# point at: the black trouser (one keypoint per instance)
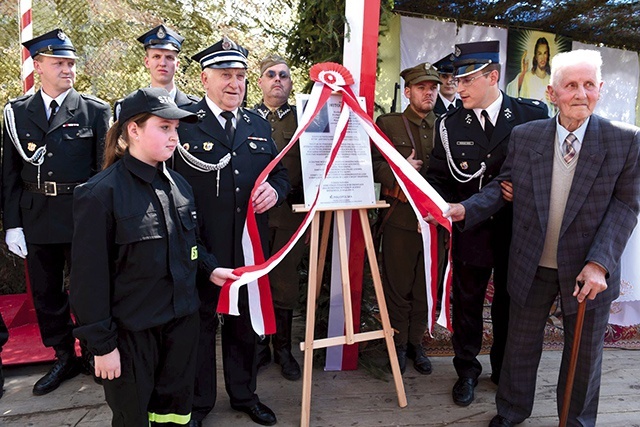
(158, 370)
(238, 354)
(469, 288)
(46, 274)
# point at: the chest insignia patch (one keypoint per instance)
(507, 113)
(468, 119)
(464, 165)
(31, 146)
(207, 146)
(253, 145)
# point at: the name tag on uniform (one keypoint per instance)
(465, 143)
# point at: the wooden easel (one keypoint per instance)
(316, 266)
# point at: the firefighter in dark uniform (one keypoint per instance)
(470, 147)
(135, 254)
(404, 283)
(52, 141)
(276, 84)
(221, 156)
(447, 99)
(162, 46)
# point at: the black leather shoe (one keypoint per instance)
(63, 369)
(194, 423)
(463, 391)
(259, 413)
(421, 362)
(500, 421)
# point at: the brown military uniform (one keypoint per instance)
(282, 221)
(402, 251)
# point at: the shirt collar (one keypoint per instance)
(279, 112)
(562, 133)
(139, 168)
(217, 111)
(445, 101)
(493, 110)
(59, 99)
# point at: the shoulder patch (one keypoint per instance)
(20, 98)
(93, 98)
(531, 102)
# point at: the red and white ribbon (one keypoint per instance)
(423, 198)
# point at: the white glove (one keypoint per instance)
(15, 241)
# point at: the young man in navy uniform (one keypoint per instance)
(470, 147)
(221, 156)
(52, 142)
(447, 99)
(276, 84)
(162, 46)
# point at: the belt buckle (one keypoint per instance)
(50, 188)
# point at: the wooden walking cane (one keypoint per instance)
(577, 336)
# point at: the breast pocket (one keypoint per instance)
(30, 139)
(189, 221)
(402, 145)
(261, 153)
(138, 228)
(462, 151)
(78, 141)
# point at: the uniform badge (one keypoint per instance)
(427, 66)
(201, 114)
(246, 118)
(464, 166)
(468, 119)
(186, 146)
(507, 113)
(31, 146)
(253, 145)
(535, 102)
(161, 33)
(194, 253)
(457, 52)
(207, 146)
(227, 43)
(62, 36)
(282, 113)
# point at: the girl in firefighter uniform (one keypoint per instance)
(135, 257)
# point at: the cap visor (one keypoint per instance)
(68, 54)
(166, 46)
(466, 70)
(174, 113)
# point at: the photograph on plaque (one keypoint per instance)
(350, 179)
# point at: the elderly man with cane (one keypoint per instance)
(576, 198)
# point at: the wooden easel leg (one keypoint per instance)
(324, 243)
(310, 323)
(344, 273)
(382, 305)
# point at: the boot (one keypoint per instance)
(263, 352)
(421, 362)
(401, 353)
(65, 367)
(282, 345)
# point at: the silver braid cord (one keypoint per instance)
(10, 121)
(455, 172)
(200, 165)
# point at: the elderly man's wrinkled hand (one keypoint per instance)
(456, 212)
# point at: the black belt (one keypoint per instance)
(50, 188)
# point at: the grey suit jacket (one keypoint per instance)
(601, 212)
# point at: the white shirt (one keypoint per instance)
(562, 133)
(493, 111)
(47, 101)
(217, 111)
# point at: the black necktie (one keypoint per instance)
(228, 126)
(53, 106)
(488, 126)
(451, 106)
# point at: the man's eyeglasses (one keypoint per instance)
(467, 81)
(272, 74)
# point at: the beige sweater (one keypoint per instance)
(561, 179)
